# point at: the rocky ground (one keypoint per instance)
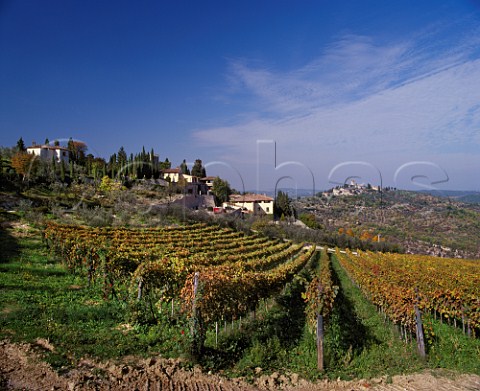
(21, 368)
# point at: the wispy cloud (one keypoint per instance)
(363, 98)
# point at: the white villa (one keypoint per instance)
(172, 175)
(47, 152)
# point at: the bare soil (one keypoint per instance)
(22, 368)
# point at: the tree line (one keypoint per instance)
(16, 163)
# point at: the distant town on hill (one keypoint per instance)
(467, 196)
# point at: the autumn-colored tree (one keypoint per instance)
(24, 163)
(366, 235)
(109, 185)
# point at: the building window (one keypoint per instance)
(268, 209)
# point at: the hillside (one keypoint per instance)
(420, 222)
(460, 196)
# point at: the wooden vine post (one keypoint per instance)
(320, 342)
(139, 289)
(419, 328)
(320, 334)
(105, 275)
(197, 327)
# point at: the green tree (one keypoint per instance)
(53, 169)
(122, 160)
(309, 220)
(112, 165)
(98, 167)
(221, 190)
(21, 145)
(88, 163)
(198, 170)
(283, 205)
(62, 171)
(155, 164)
(166, 164)
(184, 168)
(131, 166)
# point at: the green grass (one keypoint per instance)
(40, 299)
(376, 345)
(450, 348)
(359, 342)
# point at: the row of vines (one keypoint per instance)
(319, 298)
(321, 292)
(448, 289)
(216, 273)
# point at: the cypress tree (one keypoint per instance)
(21, 145)
(62, 171)
(53, 167)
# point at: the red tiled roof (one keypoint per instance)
(172, 171)
(249, 198)
(48, 147)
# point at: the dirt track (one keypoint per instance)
(22, 369)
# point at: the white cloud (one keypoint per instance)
(361, 100)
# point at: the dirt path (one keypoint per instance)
(22, 369)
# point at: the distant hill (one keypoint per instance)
(468, 196)
(292, 193)
(433, 223)
(472, 197)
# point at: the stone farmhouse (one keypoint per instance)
(257, 204)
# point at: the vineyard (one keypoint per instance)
(447, 289)
(216, 274)
(238, 302)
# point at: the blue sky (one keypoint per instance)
(363, 89)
